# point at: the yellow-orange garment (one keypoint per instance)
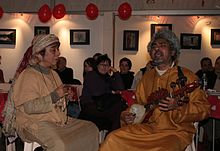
(44, 122)
(165, 131)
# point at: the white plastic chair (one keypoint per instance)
(30, 146)
(194, 145)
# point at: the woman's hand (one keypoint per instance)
(127, 117)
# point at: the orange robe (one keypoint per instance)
(40, 120)
(170, 131)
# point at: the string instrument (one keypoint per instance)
(143, 112)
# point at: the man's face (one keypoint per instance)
(160, 52)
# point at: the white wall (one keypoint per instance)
(180, 24)
(75, 55)
(101, 35)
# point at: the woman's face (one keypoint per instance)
(51, 56)
(87, 67)
(124, 67)
(103, 67)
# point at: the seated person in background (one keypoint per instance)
(126, 75)
(99, 104)
(2, 80)
(40, 103)
(88, 65)
(217, 72)
(170, 127)
(65, 73)
(208, 124)
(208, 69)
(140, 73)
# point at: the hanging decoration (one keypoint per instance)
(1, 12)
(44, 13)
(59, 11)
(92, 11)
(124, 11)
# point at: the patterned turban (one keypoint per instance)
(41, 41)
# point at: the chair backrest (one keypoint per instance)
(193, 146)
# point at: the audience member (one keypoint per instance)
(126, 75)
(217, 72)
(208, 69)
(2, 80)
(208, 124)
(65, 73)
(88, 65)
(140, 73)
(40, 102)
(98, 102)
(170, 126)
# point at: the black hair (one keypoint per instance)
(91, 62)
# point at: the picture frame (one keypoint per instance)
(190, 41)
(41, 30)
(130, 40)
(79, 37)
(157, 27)
(215, 36)
(8, 36)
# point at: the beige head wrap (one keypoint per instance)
(42, 41)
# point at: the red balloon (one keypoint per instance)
(1, 12)
(59, 11)
(124, 11)
(44, 13)
(92, 11)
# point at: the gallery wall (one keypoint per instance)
(102, 30)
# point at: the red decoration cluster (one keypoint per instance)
(124, 11)
(1, 12)
(92, 11)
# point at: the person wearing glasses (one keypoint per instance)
(99, 103)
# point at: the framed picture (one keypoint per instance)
(215, 36)
(79, 37)
(130, 40)
(41, 30)
(190, 41)
(156, 27)
(8, 36)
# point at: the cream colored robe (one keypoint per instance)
(165, 131)
(37, 119)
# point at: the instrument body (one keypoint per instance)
(143, 112)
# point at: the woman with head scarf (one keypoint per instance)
(40, 102)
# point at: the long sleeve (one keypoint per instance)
(116, 81)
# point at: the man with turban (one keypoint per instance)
(40, 102)
(171, 125)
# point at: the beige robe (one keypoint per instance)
(165, 131)
(38, 119)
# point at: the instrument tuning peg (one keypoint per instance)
(173, 85)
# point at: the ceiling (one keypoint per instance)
(78, 6)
